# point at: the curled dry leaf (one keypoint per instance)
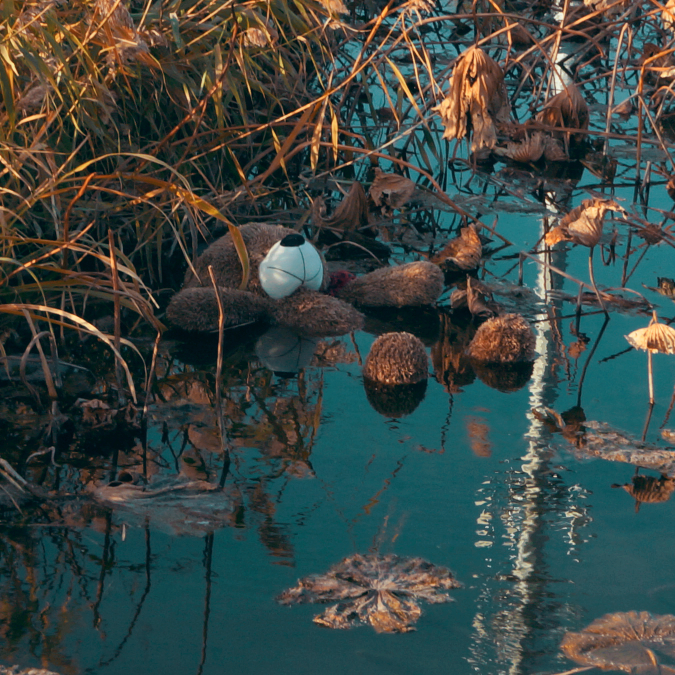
(566, 109)
(477, 94)
(350, 214)
(476, 297)
(583, 225)
(463, 252)
(656, 338)
(635, 642)
(391, 191)
(381, 590)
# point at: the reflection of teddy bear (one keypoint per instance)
(306, 311)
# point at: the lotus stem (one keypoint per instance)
(592, 276)
(651, 380)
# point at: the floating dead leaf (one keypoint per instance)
(391, 191)
(350, 214)
(625, 108)
(635, 642)
(649, 490)
(382, 590)
(567, 109)
(463, 252)
(476, 297)
(477, 96)
(583, 225)
(604, 442)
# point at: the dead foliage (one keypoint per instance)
(649, 490)
(350, 214)
(391, 191)
(628, 641)
(380, 590)
(567, 109)
(476, 297)
(583, 225)
(477, 100)
(462, 253)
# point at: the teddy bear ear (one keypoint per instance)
(289, 264)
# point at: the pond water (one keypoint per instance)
(539, 534)
(470, 480)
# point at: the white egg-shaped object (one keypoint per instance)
(289, 264)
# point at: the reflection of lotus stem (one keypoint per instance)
(651, 381)
(595, 288)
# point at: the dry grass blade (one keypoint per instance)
(477, 97)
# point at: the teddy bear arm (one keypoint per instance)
(196, 309)
(409, 285)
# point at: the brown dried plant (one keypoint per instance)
(463, 252)
(583, 224)
(634, 642)
(477, 97)
(350, 214)
(381, 590)
(567, 109)
(655, 338)
(390, 191)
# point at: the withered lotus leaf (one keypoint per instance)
(582, 225)
(477, 93)
(464, 251)
(635, 642)
(657, 337)
(350, 214)
(566, 109)
(391, 191)
(381, 590)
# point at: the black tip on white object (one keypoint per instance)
(293, 240)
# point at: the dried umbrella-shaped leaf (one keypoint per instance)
(464, 251)
(635, 642)
(390, 191)
(657, 337)
(583, 225)
(530, 149)
(477, 93)
(381, 590)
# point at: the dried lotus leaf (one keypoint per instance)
(566, 109)
(657, 337)
(391, 190)
(583, 224)
(554, 151)
(382, 590)
(464, 251)
(350, 214)
(477, 93)
(628, 641)
(529, 150)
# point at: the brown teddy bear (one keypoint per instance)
(310, 312)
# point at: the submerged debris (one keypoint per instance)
(381, 590)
